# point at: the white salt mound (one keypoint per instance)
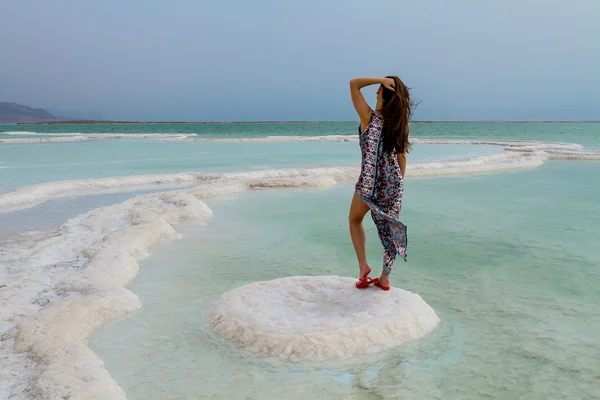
(319, 318)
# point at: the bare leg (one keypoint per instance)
(358, 210)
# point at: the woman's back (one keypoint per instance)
(381, 177)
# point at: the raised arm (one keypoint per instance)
(360, 105)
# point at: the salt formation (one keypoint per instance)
(515, 155)
(319, 318)
(63, 283)
(78, 137)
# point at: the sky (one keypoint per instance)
(276, 60)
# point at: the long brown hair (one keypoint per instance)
(396, 111)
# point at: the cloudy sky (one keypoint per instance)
(232, 60)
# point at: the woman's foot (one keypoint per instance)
(383, 282)
(364, 280)
(364, 271)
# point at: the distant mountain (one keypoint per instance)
(12, 113)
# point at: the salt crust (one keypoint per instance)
(516, 155)
(319, 318)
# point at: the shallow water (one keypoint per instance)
(508, 261)
(31, 163)
(585, 133)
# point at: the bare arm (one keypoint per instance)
(360, 105)
(402, 163)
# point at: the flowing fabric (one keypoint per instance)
(380, 186)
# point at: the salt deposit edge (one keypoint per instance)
(55, 336)
(516, 155)
(302, 318)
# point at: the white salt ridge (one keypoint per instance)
(516, 155)
(176, 137)
(319, 318)
(26, 133)
(193, 137)
(63, 283)
(43, 140)
(76, 137)
(325, 138)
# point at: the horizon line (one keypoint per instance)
(101, 122)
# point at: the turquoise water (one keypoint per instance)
(31, 163)
(585, 133)
(509, 262)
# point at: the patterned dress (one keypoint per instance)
(380, 185)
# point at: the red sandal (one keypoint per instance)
(379, 285)
(366, 281)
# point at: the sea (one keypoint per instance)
(117, 240)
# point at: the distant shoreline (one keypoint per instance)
(97, 122)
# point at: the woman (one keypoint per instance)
(384, 143)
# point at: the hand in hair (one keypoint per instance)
(388, 83)
(395, 106)
(360, 105)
